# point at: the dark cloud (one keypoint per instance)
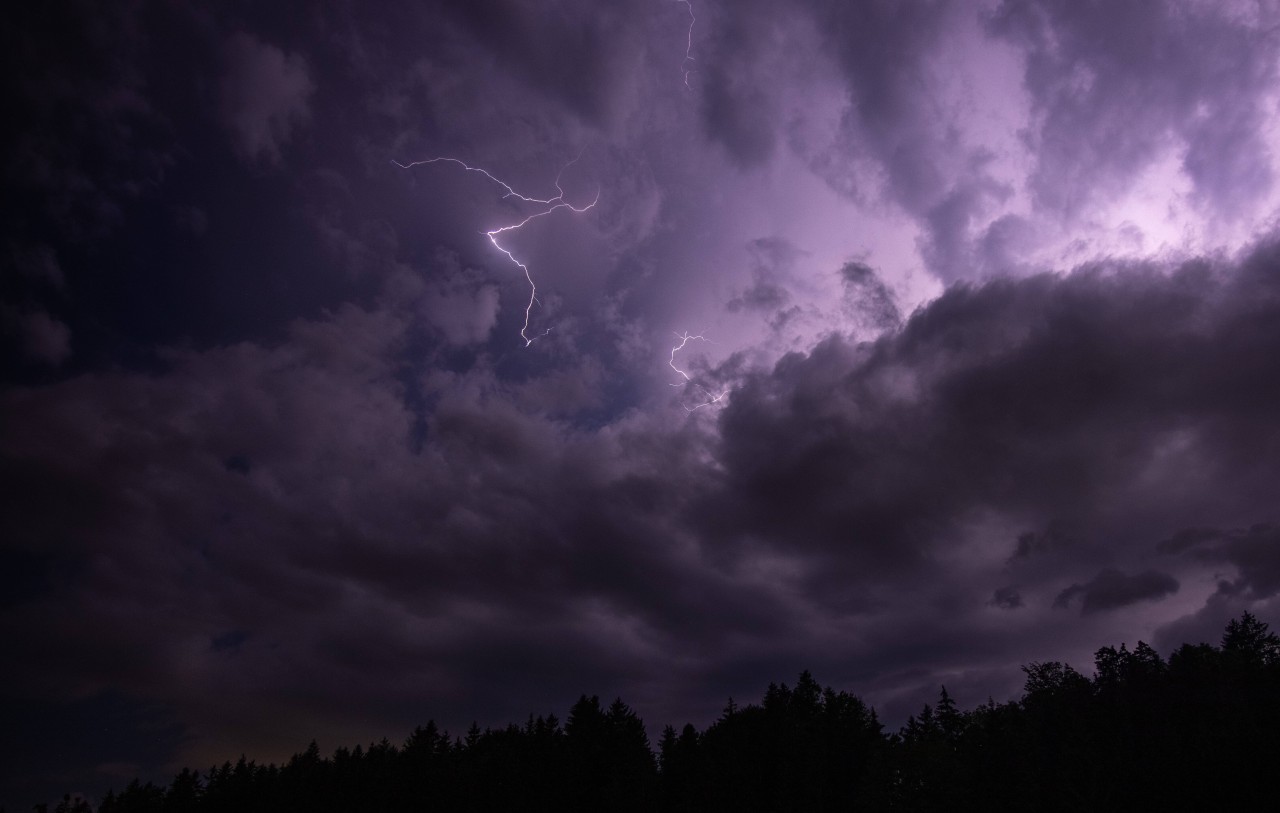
(572, 57)
(277, 464)
(887, 98)
(772, 261)
(513, 554)
(948, 246)
(737, 80)
(1056, 535)
(1035, 396)
(1007, 598)
(737, 116)
(1007, 239)
(761, 296)
(1254, 552)
(1111, 590)
(868, 302)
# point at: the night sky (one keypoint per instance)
(988, 298)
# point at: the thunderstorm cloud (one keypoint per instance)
(990, 304)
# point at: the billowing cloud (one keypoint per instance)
(1113, 90)
(1031, 398)
(977, 320)
(830, 492)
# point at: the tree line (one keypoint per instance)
(1198, 731)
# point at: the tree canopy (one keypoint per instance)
(1197, 731)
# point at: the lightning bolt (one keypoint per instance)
(688, 47)
(551, 204)
(712, 398)
(686, 68)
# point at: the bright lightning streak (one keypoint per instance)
(552, 204)
(712, 398)
(688, 47)
(684, 338)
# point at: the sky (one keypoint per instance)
(903, 342)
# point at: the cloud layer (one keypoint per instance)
(197, 548)
(991, 292)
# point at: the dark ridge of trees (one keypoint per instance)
(1200, 731)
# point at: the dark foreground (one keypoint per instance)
(1200, 731)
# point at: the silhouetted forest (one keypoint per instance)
(1200, 731)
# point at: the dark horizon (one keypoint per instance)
(362, 366)
(1129, 735)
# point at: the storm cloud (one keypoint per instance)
(988, 308)
(1111, 589)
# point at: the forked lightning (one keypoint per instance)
(551, 204)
